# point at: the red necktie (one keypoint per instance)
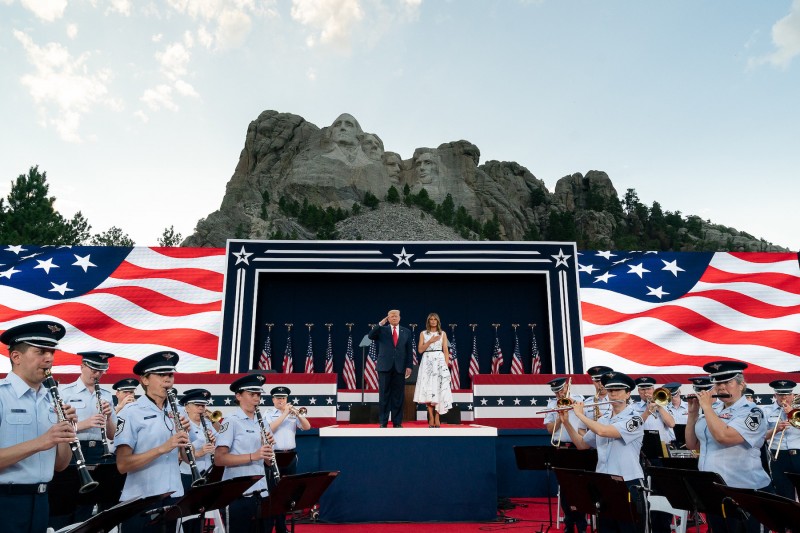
(394, 334)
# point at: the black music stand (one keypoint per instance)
(111, 518)
(285, 459)
(691, 490)
(214, 474)
(795, 479)
(599, 494)
(202, 498)
(64, 495)
(774, 512)
(538, 458)
(295, 492)
(680, 463)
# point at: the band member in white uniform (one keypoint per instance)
(202, 438)
(618, 439)
(784, 436)
(677, 407)
(33, 443)
(148, 443)
(600, 394)
(560, 437)
(284, 421)
(125, 392)
(241, 450)
(729, 440)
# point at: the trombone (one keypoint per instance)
(568, 408)
(793, 417)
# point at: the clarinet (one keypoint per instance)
(210, 440)
(103, 435)
(197, 478)
(272, 472)
(87, 483)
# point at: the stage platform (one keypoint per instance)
(413, 473)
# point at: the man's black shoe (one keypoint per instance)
(383, 425)
(398, 425)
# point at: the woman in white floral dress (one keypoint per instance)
(433, 378)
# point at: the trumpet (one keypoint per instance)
(559, 409)
(662, 397)
(294, 412)
(87, 483)
(214, 416)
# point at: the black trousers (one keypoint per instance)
(243, 516)
(25, 513)
(391, 391)
(140, 523)
(787, 461)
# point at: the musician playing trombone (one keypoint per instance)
(618, 438)
(33, 443)
(729, 440)
(783, 436)
(150, 441)
(560, 438)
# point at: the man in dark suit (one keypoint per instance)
(395, 358)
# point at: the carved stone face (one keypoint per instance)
(344, 130)
(426, 167)
(372, 147)
(392, 164)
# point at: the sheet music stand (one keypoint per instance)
(63, 493)
(691, 490)
(680, 463)
(538, 458)
(284, 459)
(111, 518)
(774, 512)
(202, 498)
(299, 491)
(599, 494)
(795, 479)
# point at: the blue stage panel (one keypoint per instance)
(397, 475)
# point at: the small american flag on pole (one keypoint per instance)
(371, 368)
(536, 358)
(329, 353)
(516, 360)
(497, 355)
(265, 361)
(455, 373)
(474, 367)
(349, 370)
(309, 367)
(415, 359)
(288, 366)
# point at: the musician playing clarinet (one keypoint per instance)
(33, 443)
(96, 427)
(148, 442)
(242, 451)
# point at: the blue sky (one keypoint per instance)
(138, 110)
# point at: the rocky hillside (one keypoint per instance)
(296, 180)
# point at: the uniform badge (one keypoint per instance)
(120, 425)
(224, 427)
(753, 420)
(634, 423)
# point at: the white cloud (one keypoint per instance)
(157, 37)
(232, 29)
(62, 87)
(159, 97)
(786, 38)
(72, 30)
(123, 7)
(185, 89)
(48, 10)
(174, 60)
(333, 21)
(311, 74)
(230, 20)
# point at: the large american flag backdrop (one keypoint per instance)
(642, 312)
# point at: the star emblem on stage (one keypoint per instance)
(561, 258)
(516, 401)
(242, 256)
(484, 401)
(403, 257)
(312, 401)
(329, 400)
(227, 401)
(533, 401)
(500, 401)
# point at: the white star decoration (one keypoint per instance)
(500, 401)
(533, 401)
(83, 262)
(16, 249)
(469, 407)
(516, 401)
(403, 257)
(484, 401)
(658, 292)
(227, 401)
(242, 256)
(561, 258)
(605, 277)
(10, 272)
(312, 401)
(329, 400)
(607, 255)
(61, 289)
(639, 270)
(587, 268)
(673, 267)
(45, 265)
